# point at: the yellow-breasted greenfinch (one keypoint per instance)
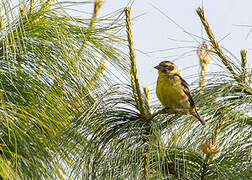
(173, 91)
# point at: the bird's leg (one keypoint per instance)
(173, 110)
(156, 113)
(165, 110)
(169, 111)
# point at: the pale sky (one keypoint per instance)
(154, 32)
(160, 39)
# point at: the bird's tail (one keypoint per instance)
(196, 114)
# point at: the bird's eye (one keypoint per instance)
(170, 68)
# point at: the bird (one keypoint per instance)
(173, 91)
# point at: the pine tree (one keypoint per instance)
(51, 71)
(64, 115)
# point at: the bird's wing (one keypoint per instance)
(186, 90)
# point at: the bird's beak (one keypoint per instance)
(157, 67)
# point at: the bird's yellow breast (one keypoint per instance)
(170, 92)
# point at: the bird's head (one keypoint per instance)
(167, 67)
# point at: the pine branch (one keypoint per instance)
(133, 68)
(243, 64)
(46, 6)
(243, 53)
(41, 60)
(97, 74)
(218, 49)
(208, 149)
(215, 44)
(205, 167)
(97, 7)
(147, 95)
(218, 128)
(31, 6)
(1, 21)
(146, 166)
(136, 89)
